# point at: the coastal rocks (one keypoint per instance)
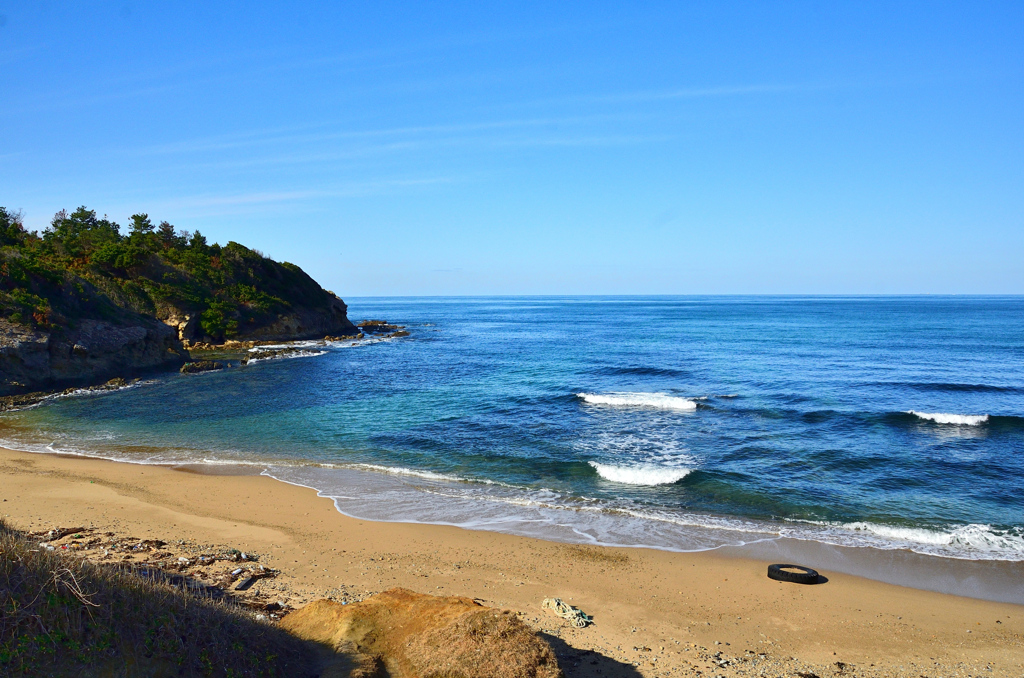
(377, 327)
(22, 400)
(199, 346)
(201, 366)
(90, 351)
(383, 328)
(330, 337)
(405, 634)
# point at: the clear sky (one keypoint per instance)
(539, 148)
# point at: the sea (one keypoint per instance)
(893, 424)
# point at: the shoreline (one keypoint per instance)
(993, 580)
(643, 599)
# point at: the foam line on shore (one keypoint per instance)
(958, 542)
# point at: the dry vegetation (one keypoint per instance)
(63, 616)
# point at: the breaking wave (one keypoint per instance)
(659, 401)
(641, 475)
(955, 419)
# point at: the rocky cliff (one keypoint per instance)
(302, 322)
(91, 353)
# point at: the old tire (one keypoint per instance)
(796, 574)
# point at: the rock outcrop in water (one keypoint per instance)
(403, 634)
(201, 366)
(81, 303)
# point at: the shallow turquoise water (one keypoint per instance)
(674, 422)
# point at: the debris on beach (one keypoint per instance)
(573, 615)
(221, 573)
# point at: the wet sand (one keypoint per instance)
(656, 613)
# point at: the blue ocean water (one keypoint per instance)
(672, 422)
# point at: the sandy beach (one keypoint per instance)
(656, 613)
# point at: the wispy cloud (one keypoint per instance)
(294, 135)
(326, 131)
(317, 150)
(353, 189)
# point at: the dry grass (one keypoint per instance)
(63, 616)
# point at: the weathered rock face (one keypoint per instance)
(301, 323)
(304, 323)
(91, 352)
(403, 634)
(186, 324)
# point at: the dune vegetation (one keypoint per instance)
(61, 615)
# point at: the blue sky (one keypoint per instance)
(544, 148)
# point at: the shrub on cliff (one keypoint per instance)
(84, 266)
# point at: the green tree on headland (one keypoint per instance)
(83, 266)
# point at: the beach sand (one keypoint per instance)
(656, 613)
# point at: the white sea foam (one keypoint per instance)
(660, 401)
(973, 538)
(284, 356)
(308, 343)
(641, 475)
(402, 471)
(956, 419)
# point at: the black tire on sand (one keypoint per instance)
(796, 574)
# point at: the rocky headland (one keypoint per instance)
(81, 303)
